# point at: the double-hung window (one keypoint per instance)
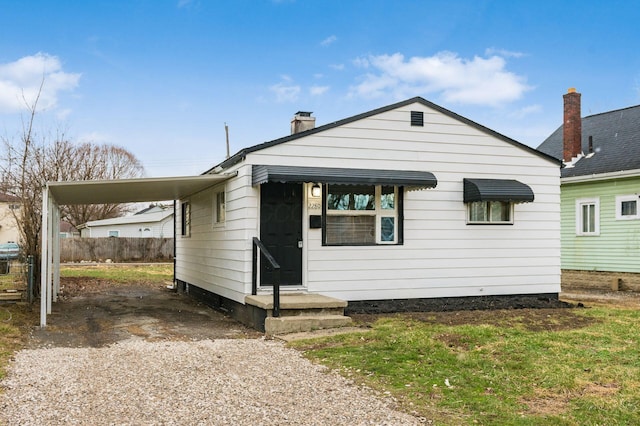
(588, 216)
(361, 215)
(627, 207)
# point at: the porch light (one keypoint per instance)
(316, 191)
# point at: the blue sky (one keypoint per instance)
(162, 77)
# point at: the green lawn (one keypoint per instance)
(500, 372)
(128, 273)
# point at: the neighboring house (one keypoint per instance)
(156, 221)
(600, 187)
(9, 210)
(409, 201)
(67, 230)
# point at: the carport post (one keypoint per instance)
(44, 295)
(55, 247)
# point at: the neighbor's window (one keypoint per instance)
(114, 233)
(220, 207)
(490, 212)
(361, 215)
(627, 207)
(588, 216)
(185, 210)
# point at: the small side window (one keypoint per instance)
(185, 210)
(115, 234)
(220, 207)
(627, 207)
(490, 213)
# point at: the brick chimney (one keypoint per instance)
(302, 121)
(572, 126)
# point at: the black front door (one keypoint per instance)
(281, 231)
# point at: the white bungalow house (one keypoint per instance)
(156, 221)
(409, 201)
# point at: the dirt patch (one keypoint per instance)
(98, 313)
(530, 319)
(541, 314)
(593, 297)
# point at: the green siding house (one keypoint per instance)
(600, 187)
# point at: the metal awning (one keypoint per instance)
(130, 190)
(409, 179)
(497, 190)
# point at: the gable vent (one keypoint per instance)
(417, 118)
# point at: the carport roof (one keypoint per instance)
(131, 190)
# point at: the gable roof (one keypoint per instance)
(127, 220)
(241, 155)
(616, 143)
(8, 198)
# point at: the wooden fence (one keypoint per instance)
(116, 249)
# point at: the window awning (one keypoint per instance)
(409, 179)
(497, 190)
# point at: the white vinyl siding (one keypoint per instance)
(218, 258)
(441, 256)
(147, 225)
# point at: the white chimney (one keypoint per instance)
(302, 121)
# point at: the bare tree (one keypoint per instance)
(32, 160)
(92, 162)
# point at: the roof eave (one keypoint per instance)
(601, 176)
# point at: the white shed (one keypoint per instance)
(408, 201)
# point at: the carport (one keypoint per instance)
(56, 194)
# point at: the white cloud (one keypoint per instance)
(337, 67)
(526, 111)
(63, 114)
(94, 137)
(285, 92)
(492, 51)
(20, 82)
(479, 81)
(318, 90)
(329, 40)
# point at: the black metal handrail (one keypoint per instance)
(257, 245)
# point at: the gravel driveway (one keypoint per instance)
(220, 382)
(149, 378)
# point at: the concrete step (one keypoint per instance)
(296, 301)
(299, 323)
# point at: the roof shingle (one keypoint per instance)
(616, 143)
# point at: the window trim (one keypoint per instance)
(622, 198)
(116, 232)
(185, 219)
(378, 213)
(490, 222)
(579, 220)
